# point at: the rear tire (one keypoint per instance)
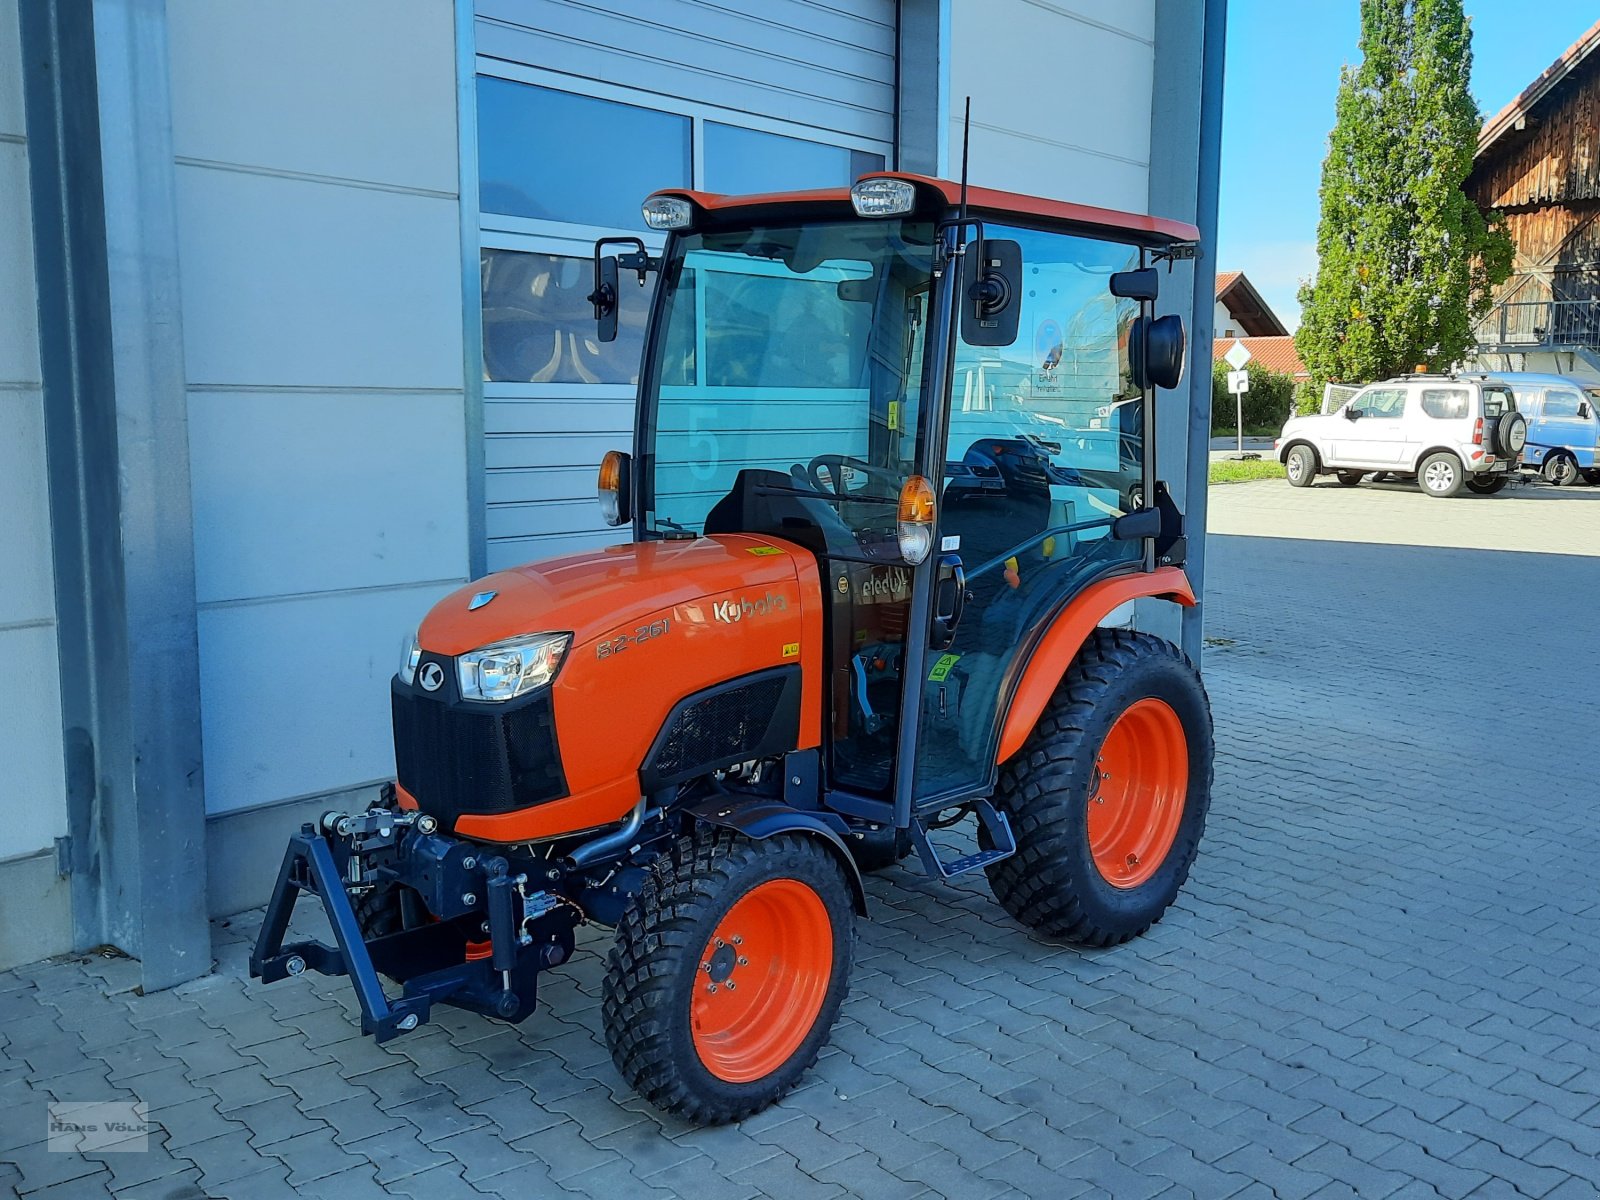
(719, 912)
(1349, 478)
(1119, 765)
(1300, 465)
(1442, 475)
(1486, 485)
(1560, 470)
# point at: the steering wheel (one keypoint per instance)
(835, 482)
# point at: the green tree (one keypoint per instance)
(1406, 263)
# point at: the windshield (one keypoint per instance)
(794, 351)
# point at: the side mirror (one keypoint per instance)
(1156, 350)
(604, 297)
(991, 292)
(1583, 410)
(1351, 413)
(1144, 284)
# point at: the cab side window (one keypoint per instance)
(1446, 404)
(1382, 403)
(1562, 404)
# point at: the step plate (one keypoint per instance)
(992, 819)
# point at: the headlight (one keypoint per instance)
(882, 197)
(511, 668)
(410, 656)
(668, 212)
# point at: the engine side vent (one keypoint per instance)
(756, 716)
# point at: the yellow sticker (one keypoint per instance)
(894, 415)
(763, 550)
(941, 669)
(791, 650)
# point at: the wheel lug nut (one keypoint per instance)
(730, 985)
(719, 943)
(711, 987)
(737, 940)
(743, 961)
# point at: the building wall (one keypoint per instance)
(1060, 97)
(33, 795)
(317, 181)
(1223, 322)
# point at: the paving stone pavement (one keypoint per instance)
(1378, 983)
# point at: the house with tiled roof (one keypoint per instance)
(1538, 167)
(1242, 315)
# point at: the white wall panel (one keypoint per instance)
(27, 585)
(33, 790)
(361, 89)
(19, 315)
(305, 492)
(304, 283)
(11, 119)
(295, 693)
(1066, 112)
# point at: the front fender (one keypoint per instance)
(1065, 637)
(763, 818)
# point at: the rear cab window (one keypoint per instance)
(1498, 401)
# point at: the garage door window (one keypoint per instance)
(749, 161)
(539, 327)
(555, 156)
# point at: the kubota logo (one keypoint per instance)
(736, 610)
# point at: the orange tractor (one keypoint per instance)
(892, 477)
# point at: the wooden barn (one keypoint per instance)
(1538, 163)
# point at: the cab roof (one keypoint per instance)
(939, 194)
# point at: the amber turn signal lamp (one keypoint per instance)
(915, 519)
(615, 486)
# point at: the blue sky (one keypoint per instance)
(1282, 74)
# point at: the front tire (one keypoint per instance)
(1108, 795)
(1442, 475)
(1300, 465)
(719, 913)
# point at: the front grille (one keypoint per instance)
(458, 760)
(732, 723)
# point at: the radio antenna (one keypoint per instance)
(966, 142)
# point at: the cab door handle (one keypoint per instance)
(949, 599)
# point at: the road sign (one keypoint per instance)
(1237, 355)
(1238, 381)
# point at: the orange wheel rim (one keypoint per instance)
(761, 981)
(1136, 799)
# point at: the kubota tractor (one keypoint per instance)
(892, 481)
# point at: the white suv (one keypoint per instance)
(1450, 432)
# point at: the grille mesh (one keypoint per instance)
(457, 761)
(720, 727)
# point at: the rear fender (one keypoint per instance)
(760, 819)
(1066, 636)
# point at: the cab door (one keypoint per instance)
(1045, 449)
(1375, 438)
(1566, 422)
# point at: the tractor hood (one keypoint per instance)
(600, 591)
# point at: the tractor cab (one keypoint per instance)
(947, 400)
(892, 476)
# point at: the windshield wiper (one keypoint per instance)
(675, 532)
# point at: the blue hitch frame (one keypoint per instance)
(527, 932)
